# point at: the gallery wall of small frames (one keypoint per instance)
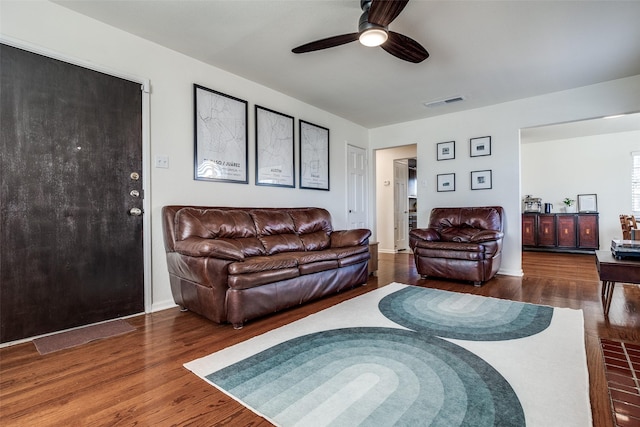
(480, 179)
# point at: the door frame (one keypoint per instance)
(146, 146)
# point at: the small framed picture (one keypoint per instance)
(447, 182)
(587, 203)
(480, 146)
(446, 150)
(481, 180)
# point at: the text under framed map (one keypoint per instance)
(221, 144)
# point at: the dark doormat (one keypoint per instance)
(622, 367)
(76, 337)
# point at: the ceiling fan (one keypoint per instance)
(372, 31)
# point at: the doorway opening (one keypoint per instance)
(396, 197)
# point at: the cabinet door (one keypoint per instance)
(528, 230)
(567, 231)
(588, 232)
(546, 230)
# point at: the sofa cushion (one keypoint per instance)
(233, 226)
(246, 281)
(316, 241)
(276, 231)
(263, 263)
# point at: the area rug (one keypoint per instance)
(622, 368)
(406, 355)
(75, 337)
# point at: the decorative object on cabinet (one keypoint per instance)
(480, 146)
(314, 156)
(481, 180)
(220, 149)
(274, 148)
(446, 182)
(575, 232)
(587, 203)
(568, 205)
(446, 150)
(532, 204)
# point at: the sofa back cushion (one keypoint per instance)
(313, 225)
(276, 231)
(235, 226)
(458, 224)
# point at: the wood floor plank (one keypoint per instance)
(138, 378)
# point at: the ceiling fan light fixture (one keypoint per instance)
(373, 37)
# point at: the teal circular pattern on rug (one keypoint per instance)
(372, 376)
(464, 316)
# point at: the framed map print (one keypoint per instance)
(221, 142)
(314, 156)
(274, 148)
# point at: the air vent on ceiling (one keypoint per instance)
(442, 102)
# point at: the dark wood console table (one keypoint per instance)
(612, 270)
(560, 232)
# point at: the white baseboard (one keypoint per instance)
(517, 273)
(163, 305)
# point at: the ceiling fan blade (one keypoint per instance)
(382, 12)
(405, 48)
(326, 43)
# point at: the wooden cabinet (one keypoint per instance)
(529, 230)
(566, 228)
(546, 230)
(560, 232)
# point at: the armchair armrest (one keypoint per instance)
(487, 236)
(345, 238)
(429, 234)
(212, 248)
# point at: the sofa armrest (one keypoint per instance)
(486, 236)
(211, 248)
(345, 238)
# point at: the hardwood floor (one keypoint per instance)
(138, 378)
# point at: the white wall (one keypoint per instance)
(385, 221)
(600, 164)
(47, 26)
(503, 123)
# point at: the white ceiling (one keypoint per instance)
(487, 51)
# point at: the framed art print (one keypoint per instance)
(274, 148)
(221, 143)
(314, 156)
(587, 203)
(446, 150)
(446, 182)
(480, 146)
(481, 180)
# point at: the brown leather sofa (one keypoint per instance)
(235, 264)
(460, 243)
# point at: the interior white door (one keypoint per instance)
(400, 205)
(357, 187)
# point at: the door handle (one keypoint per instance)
(135, 211)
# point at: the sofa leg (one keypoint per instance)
(423, 276)
(238, 326)
(477, 284)
(183, 308)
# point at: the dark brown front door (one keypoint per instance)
(71, 254)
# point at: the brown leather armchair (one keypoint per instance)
(460, 243)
